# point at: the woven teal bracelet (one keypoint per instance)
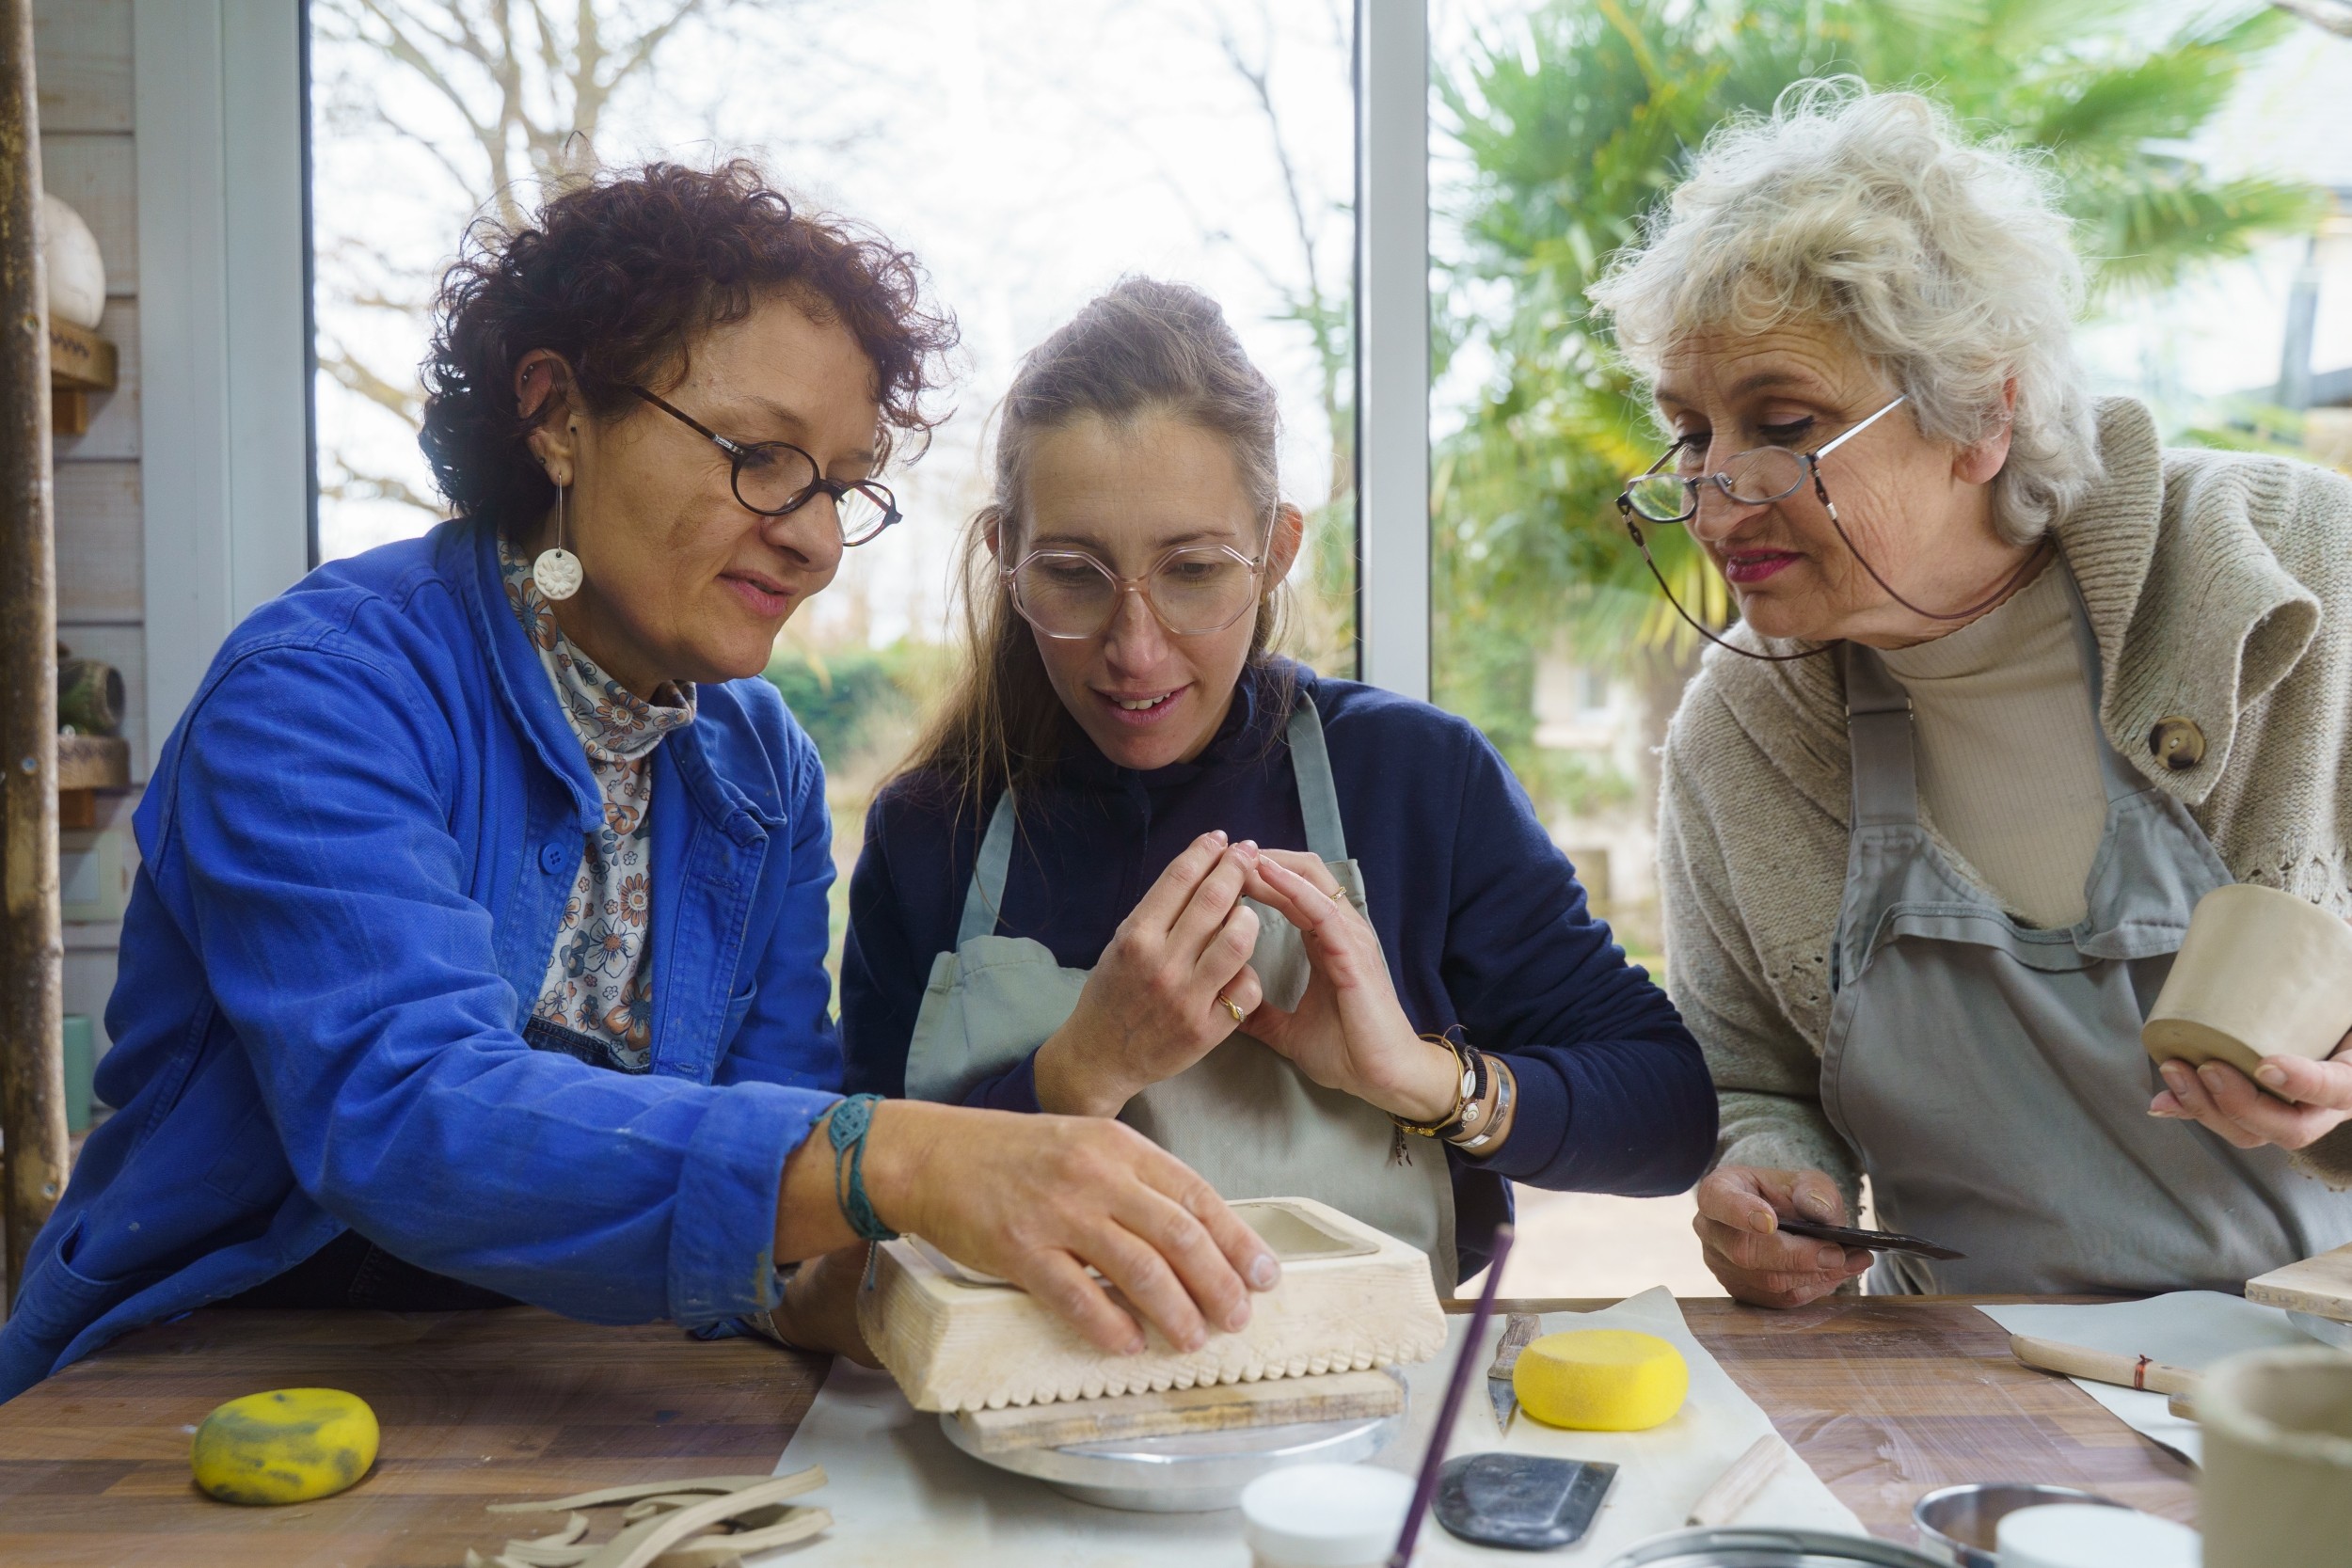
(846, 1129)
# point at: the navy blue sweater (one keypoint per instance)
(1481, 916)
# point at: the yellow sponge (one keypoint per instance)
(1601, 1380)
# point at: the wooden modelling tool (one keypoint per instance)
(2099, 1365)
(1519, 1330)
(1743, 1484)
(1350, 1298)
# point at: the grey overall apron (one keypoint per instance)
(1242, 1116)
(1990, 1074)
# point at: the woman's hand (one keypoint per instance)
(2307, 1100)
(1738, 1228)
(1156, 1001)
(819, 1307)
(1348, 1032)
(1039, 1200)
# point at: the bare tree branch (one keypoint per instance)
(407, 402)
(2334, 15)
(350, 483)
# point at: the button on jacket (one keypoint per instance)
(356, 850)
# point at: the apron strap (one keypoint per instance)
(1878, 733)
(1318, 804)
(1318, 798)
(986, 896)
(2121, 780)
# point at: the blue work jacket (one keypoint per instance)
(358, 845)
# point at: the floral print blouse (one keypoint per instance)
(596, 999)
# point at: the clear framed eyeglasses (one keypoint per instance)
(1756, 477)
(1193, 589)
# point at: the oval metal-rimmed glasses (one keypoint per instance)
(1756, 477)
(1193, 589)
(776, 478)
(1759, 477)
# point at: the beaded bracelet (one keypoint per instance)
(846, 1129)
(1503, 1083)
(1469, 1090)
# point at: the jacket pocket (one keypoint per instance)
(738, 1005)
(251, 1167)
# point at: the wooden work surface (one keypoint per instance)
(1884, 1397)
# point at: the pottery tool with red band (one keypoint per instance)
(2099, 1365)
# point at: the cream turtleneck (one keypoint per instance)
(2008, 772)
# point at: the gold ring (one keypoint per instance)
(1232, 1007)
(1338, 897)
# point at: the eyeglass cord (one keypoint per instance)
(2008, 585)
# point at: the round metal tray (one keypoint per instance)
(1959, 1523)
(1738, 1546)
(1194, 1473)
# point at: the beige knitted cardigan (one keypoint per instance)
(2219, 586)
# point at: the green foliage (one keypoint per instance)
(1575, 127)
(850, 701)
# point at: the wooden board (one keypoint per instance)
(79, 358)
(2321, 1285)
(93, 762)
(1886, 1397)
(1350, 1298)
(1220, 1407)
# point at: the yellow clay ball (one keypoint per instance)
(286, 1446)
(1601, 1380)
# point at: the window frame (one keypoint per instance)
(1392, 346)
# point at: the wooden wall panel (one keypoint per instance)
(99, 530)
(81, 64)
(113, 424)
(97, 175)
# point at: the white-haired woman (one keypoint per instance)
(2013, 689)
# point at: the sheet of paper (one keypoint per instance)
(900, 1494)
(2187, 1328)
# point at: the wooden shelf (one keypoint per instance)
(80, 362)
(93, 762)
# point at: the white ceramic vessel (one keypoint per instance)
(2275, 1487)
(2260, 974)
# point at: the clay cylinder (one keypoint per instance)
(2275, 1490)
(89, 697)
(2261, 974)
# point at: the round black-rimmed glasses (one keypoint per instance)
(776, 478)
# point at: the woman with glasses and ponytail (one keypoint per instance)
(1306, 935)
(477, 953)
(2011, 688)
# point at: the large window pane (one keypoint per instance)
(1556, 125)
(1028, 152)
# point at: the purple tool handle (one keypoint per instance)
(1426, 1488)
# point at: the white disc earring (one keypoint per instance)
(557, 571)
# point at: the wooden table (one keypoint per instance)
(1884, 1397)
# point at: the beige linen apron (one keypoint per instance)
(1990, 1074)
(1242, 1116)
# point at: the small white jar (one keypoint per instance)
(1325, 1516)
(2084, 1535)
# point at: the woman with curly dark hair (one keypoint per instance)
(477, 950)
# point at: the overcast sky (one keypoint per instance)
(1030, 151)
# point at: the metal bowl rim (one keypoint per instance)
(1684, 1547)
